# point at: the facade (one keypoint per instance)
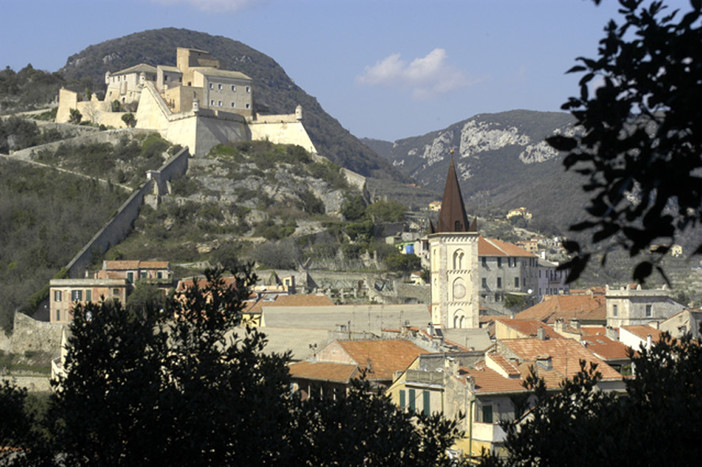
(65, 293)
(633, 305)
(551, 281)
(125, 85)
(454, 262)
(135, 270)
(505, 269)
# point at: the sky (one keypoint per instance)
(385, 69)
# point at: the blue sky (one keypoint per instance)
(386, 69)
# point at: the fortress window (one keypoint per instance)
(219, 86)
(499, 282)
(212, 102)
(499, 262)
(57, 295)
(211, 85)
(233, 104)
(233, 88)
(219, 104)
(248, 106)
(484, 283)
(516, 282)
(248, 89)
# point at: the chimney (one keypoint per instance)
(541, 334)
(649, 342)
(430, 329)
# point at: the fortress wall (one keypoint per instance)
(153, 112)
(354, 179)
(31, 335)
(211, 131)
(67, 100)
(281, 132)
(112, 233)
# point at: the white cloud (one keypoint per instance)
(211, 5)
(425, 77)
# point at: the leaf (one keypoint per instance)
(572, 246)
(562, 143)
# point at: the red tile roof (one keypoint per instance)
(642, 332)
(567, 307)
(490, 381)
(384, 357)
(301, 300)
(530, 327)
(135, 264)
(565, 356)
(323, 371)
(494, 247)
(606, 348)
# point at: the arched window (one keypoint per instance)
(458, 319)
(458, 259)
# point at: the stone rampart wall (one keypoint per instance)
(31, 335)
(282, 132)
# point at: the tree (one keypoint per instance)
(129, 120)
(658, 421)
(145, 296)
(639, 133)
(75, 116)
(406, 263)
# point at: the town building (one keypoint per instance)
(64, 294)
(633, 305)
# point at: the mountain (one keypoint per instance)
(503, 163)
(274, 91)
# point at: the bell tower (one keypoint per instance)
(453, 248)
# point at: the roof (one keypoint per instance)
(384, 357)
(134, 264)
(452, 217)
(489, 381)
(282, 299)
(170, 69)
(564, 354)
(567, 307)
(202, 282)
(494, 247)
(606, 348)
(217, 73)
(529, 327)
(142, 67)
(642, 332)
(323, 371)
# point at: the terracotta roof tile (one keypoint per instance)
(490, 381)
(323, 371)
(565, 356)
(567, 307)
(384, 356)
(494, 247)
(530, 327)
(606, 348)
(135, 264)
(642, 332)
(301, 300)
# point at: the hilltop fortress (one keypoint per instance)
(195, 104)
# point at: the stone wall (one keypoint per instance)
(35, 336)
(121, 224)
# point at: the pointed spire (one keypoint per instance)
(452, 217)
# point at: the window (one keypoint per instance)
(219, 86)
(486, 414)
(614, 310)
(403, 402)
(76, 295)
(539, 273)
(516, 282)
(142, 274)
(484, 261)
(212, 102)
(233, 88)
(219, 104)
(211, 85)
(115, 292)
(499, 282)
(248, 89)
(58, 315)
(649, 311)
(499, 262)
(426, 409)
(248, 106)
(484, 283)
(159, 275)
(57, 295)
(411, 400)
(233, 104)
(88, 295)
(130, 276)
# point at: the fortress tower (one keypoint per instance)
(453, 246)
